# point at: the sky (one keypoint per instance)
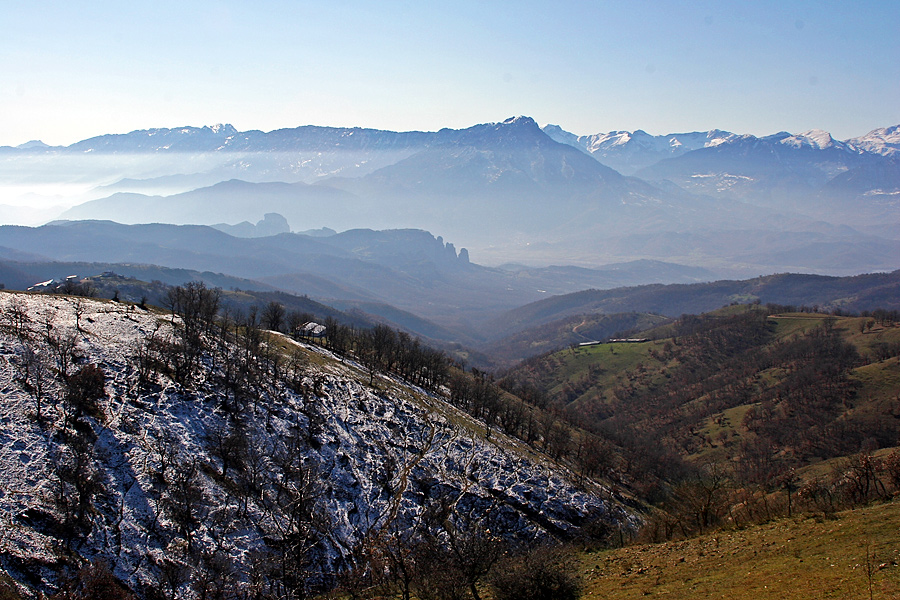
(75, 69)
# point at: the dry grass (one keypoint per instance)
(804, 558)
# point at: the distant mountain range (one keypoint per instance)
(410, 280)
(511, 191)
(629, 151)
(225, 138)
(380, 272)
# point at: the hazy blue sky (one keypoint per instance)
(74, 69)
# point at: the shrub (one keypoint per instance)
(542, 574)
(8, 589)
(93, 581)
(85, 388)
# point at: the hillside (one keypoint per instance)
(195, 456)
(574, 330)
(413, 281)
(409, 270)
(854, 293)
(741, 356)
(745, 392)
(854, 554)
(414, 272)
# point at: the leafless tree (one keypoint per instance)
(77, 483)
(18, 320)
(33, 373)
(93, 581)
(228, 443)
(295, 523)
(79, 307)
(84, 389)
(185, 502)
(544, 573)
(273, 316)
(62, 344)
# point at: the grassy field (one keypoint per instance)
(855, 554)
(603, 364)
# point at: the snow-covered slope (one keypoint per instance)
(251, 459)
(816, 139)
(884, 141)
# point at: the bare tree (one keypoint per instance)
(545, 573)
(84, 389)
(295, 523)
(78, 482)
(146, 357)
(702, 497)
(16, 317)
(62, 345)
(456, 553)
(185, 502)
(228, 443)
(79, 307)
(33, 373)
(93, 581)
(273, 316)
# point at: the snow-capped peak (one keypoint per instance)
(717, 136)
(602, 141)
(814, 138)
(520, 120)
(884, 141)
(222, 128)
(628, 151)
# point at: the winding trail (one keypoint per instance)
(582, 324)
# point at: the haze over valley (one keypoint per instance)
(441, 233)
(508, 192)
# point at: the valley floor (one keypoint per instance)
(854, 554)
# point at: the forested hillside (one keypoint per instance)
(746, 399)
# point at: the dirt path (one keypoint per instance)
(575, 330)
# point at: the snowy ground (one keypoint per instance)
(379, 454)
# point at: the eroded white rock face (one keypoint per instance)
(371, 459)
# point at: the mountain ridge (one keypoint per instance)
(225, 137)
(509, 192)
